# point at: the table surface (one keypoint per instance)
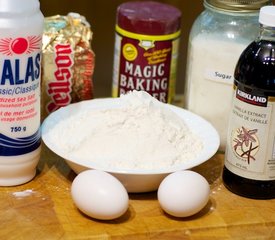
(43, 209)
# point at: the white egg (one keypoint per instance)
(183, 193)
(99, 195)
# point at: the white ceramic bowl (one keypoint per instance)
(134, 180)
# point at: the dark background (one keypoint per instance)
(101, 14)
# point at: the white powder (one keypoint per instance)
(210, 75)
(25, 193)
(140, 134)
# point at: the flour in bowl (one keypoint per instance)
(141, 133)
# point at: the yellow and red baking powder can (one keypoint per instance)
(146, 49)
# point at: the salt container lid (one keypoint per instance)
(150, 18)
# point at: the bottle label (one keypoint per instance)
(19, 95)
(250, 151)
(145, 62)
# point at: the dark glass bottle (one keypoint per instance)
(250, 152)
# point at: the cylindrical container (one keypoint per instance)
(217, 38)
(250, 153)
(146, 49)
(21, 27)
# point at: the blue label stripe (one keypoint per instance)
(17, 146)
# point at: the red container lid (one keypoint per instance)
(148, 18)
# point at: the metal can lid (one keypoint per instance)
(150, 18)
(237, 5)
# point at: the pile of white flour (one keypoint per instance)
(140, 134)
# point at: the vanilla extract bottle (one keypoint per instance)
(249, 168)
